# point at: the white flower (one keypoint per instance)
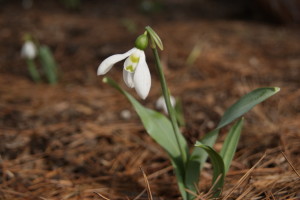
(28, 50)
(161, 104)
(136, 73)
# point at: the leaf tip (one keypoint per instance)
(161, 47)
(276, 89)
(198, 144)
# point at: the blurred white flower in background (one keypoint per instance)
(29, 50)
(161, 104)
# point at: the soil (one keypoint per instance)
(70, 140)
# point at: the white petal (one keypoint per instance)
(142, 78)
(108, 63)
(128, 78)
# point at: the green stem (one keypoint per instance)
(170, 108)
(33, 71)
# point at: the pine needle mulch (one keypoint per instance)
(71, 141)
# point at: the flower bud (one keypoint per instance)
(142, 42)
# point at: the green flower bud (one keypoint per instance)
(142, 42)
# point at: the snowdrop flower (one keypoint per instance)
(161, 104)
(136, 73)
(29, 50)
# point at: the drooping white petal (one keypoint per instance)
(142, 77)
(28, 50)
(128, 78)
(108, 63)
(161, 103)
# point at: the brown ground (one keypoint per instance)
(69, 141)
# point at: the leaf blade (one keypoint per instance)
(218, 168)
(48, 63)
(199, 156)
(245, 104)
(155, 123)
(196, 162)
(160, 129)
(230, 143)
(258, 95)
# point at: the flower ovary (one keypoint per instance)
(141, 42)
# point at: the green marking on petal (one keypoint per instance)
(129, 68)
(134, 59)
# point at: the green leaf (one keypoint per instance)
(218, 168)
(192, 171)
(160, 129)
(246, 103)
(199, 156)
(48, 64)
(230, 143)
(239, 108)
(197, 160)
(154, 37)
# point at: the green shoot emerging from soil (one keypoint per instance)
(165, 131)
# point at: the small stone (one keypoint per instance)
(125, 114)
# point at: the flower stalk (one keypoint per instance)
(170, 108)
(33, 70)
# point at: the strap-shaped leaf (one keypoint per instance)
(230, 143)
(160, 129)
(218, 168)
(245, 103)
(196, 162)
(48, 63)
(239, 108)
(198, 157)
